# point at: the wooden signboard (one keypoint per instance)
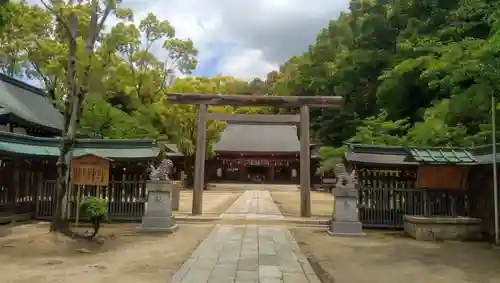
(450, 177)
(90, 170)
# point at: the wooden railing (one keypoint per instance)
(126, 199)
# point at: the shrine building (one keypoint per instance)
(262, 153)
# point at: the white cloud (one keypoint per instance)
(246, 64)
(247, 37)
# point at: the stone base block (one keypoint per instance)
(345, 229)
(158, 224)
(443, 228)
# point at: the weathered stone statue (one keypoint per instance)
(162, 172)
(158, 216)
(345, 218)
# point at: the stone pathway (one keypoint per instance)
(253, 205)
(248, 253)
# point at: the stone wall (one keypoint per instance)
(442, 228)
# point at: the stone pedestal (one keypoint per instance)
(158, 216)
(345, 218)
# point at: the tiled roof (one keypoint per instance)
(400, 155)
(113, 149)
(172, 150)
(28, 104)
(484, 154)
(377, 155)
(442, 155)
(258, 138)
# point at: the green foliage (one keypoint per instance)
(127, 81)
(329, 158)
(94, 208)
(411, 72)
(379, 130)
(5, 14)
(101, 119)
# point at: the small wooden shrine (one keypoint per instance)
(395, 181)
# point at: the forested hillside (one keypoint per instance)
(411, 71)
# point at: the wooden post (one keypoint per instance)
(199, 164)
(176, 196)
(305, 164)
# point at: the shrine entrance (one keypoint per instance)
(304, 102)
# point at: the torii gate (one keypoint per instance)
(304, 102)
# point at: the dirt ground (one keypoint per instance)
(214, 202)
(386, 257)
(289, 203)
(31, 254)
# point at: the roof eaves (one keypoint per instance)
(115, 143)
(21, 84)
(376, 149)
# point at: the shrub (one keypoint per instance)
(95, 210)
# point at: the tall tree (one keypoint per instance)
(68, 16)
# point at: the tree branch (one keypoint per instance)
(58, 17)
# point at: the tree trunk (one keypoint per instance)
(73, 105)
(60, 221)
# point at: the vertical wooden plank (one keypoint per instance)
(38, 187)
(199, 164)
(305, 164)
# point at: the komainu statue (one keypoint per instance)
(162, 172)
(345, 181)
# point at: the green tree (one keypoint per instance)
(71, 18)
(143, 76)
(411, 59)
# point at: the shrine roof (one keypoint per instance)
(113, 149)
(26, 104)
(377, 155)
(258, 138)
(400, 155)
(172, 150)
(484, 154)
(442, 155)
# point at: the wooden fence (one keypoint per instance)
(481, 196)
(385, 196)
(18, 187)
(126, 199)
(27, 187)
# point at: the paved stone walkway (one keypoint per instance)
(253, 205)
(248, 253)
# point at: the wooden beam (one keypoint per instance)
(199, 163)
(305, 164)
(255, 100)
(278, 119)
